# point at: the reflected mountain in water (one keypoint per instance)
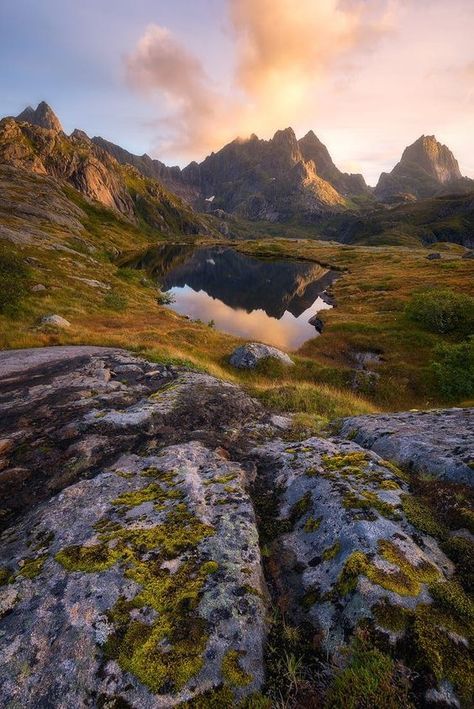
(238, 280)
(268, 301)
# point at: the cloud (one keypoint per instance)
(283, 50)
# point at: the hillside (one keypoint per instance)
(95, 173)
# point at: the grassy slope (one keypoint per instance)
(369, 316)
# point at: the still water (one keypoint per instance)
(257, 299)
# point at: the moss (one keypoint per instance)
(338, 462)
(30, 568)
(311, 472)
(389, 485)
(311, 596)
(392, 617)
(436, 650)
(312, 524)
(355, 565)
(90, 559)
(223, 479)
(370, 500)
(421, 516)
(151, 493)
(6, 575)
(209, 567)
(406, 581)
(461, 551)
(232, 671)
(300, 508)
(332, 551)
(219, 698)
(467, 518)
(166, 476)
(369, 680)
(451, 596)
(168, 652)
(395, 470)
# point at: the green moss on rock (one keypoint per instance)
(332, 551)
(300, 508)
(232, 671)
(312, 524)
(150, 493)
(30, 568)
(421, 516)
(89, 559)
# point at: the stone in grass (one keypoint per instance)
(38, 288)
(248, 356)
(434, 256)
(55, 321)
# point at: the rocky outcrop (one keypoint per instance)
(26, 144)
(427, 168)
(313, 149)
(257, 179)
(152, 513)
(42, 116)
(250, 355)
(437, 443)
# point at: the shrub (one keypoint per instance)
(14, 280)
(443, 311)
(453, 368)
(115, 301)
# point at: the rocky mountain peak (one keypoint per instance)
(286, 138)
(42, 116)
(436, 159)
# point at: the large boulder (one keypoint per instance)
(438, 443)
(250, 355)
(55, 321)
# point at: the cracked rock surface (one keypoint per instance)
(154, 521)
(439, 442)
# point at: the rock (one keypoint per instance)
(38, 288)
(345, 546)
(42, 116)
(317, 323)
(248, 356)
(468, 254)
(133, 507)
(55, 321)
(438, 442)
(433, 256)
(143, 583)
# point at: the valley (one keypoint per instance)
(183, 528)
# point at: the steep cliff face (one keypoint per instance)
(347, 184)
(46, 150)
(257, 179)
(427, 168)
(265, 179)
(42, 116)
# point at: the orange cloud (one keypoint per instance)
(282, 50)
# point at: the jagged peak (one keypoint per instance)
(42, 116)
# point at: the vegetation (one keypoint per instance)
(443, 311)
(14, 281)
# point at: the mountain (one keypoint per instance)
(272, 180)
(427, 168)
(348, 185)
(422, 222)
(36, 142)
(42, 116)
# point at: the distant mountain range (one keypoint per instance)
(281, 180)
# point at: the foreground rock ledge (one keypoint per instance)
(130, 570)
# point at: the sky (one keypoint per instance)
(180, 78)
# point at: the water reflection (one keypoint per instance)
(269, 301)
